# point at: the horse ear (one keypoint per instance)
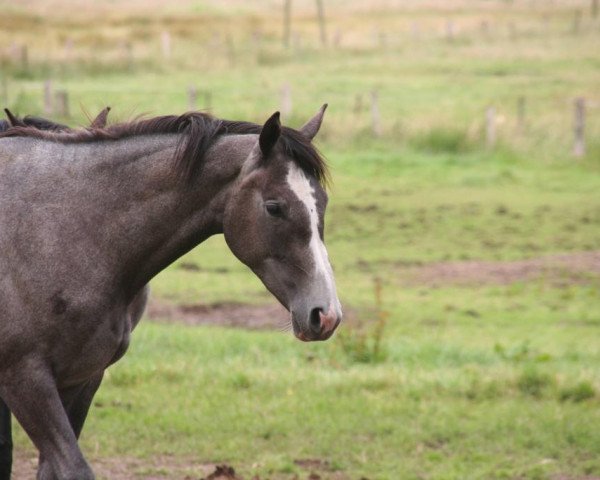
(12, 120)
(311, 128)
(269, 134)
(101, 118)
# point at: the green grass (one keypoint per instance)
(499, 395)
(477, 381)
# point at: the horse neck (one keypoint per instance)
(151, 217)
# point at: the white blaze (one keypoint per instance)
(300, 185)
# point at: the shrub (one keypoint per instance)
(363, 341)
(580, 392)
(443, 140)
(533, 382)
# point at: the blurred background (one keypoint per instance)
(464, 228)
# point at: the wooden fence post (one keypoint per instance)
(296, 41)
(321, 14)
(358, 105)
(230, 45)
(594, 8)
(257, 40)
(128, 54)
(576, 22)
(375, 113)
(62, 103)
(4, 91)
(383, 39)
(415, 31)
(286, 101)
(24, 57)
(192, 97)
(337, 38)
(450, 30)
(68, 49)
(48, 104)
(287, 22)
(490, 126)
(512, 31)
(579, 127)
(521, 112)
(207, 101)
(165, 40)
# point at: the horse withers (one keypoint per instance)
(90, 216)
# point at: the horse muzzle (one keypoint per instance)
(321, 325)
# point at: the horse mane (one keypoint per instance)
(199, 130)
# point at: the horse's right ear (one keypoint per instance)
(101, 118)
(269, 134)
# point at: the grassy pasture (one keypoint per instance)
(489, 379)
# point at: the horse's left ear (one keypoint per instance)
(311, 128)
(12, 120)
(269, 134)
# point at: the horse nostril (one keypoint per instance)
(315, 320)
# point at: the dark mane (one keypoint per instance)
(198, 130)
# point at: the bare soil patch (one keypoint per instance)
(159, 467)
(229, 314)
(557, 269)
(165, 467)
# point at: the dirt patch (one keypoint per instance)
(159, 467)
(313, 464)
(229, 314)
(557, 269)
(223, 472)
(569, 477)
(166, 467)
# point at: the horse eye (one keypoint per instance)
(274, 209)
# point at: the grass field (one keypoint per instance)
(432, 376)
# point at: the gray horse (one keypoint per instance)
(88, 217)
(42, 124)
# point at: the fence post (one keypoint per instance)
(4, 90)
(68, 49)
(375, 113)
(490, 126)
(286, 100)
(165, 39)
(128, 54)
(358, 104)
(230, 45)
(594, 8)
(579, 127)
(512, 31)
(337, 38)
(207, 101)
(321, 14)
(48, 104)
(287, 22)
(192, 97)
(450, 30)
(415, 31)
(62, 103)
(257, 40)
(521, 111)
(484, 26)
(576, 22)
(24, 57)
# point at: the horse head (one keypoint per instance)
(274, 223)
